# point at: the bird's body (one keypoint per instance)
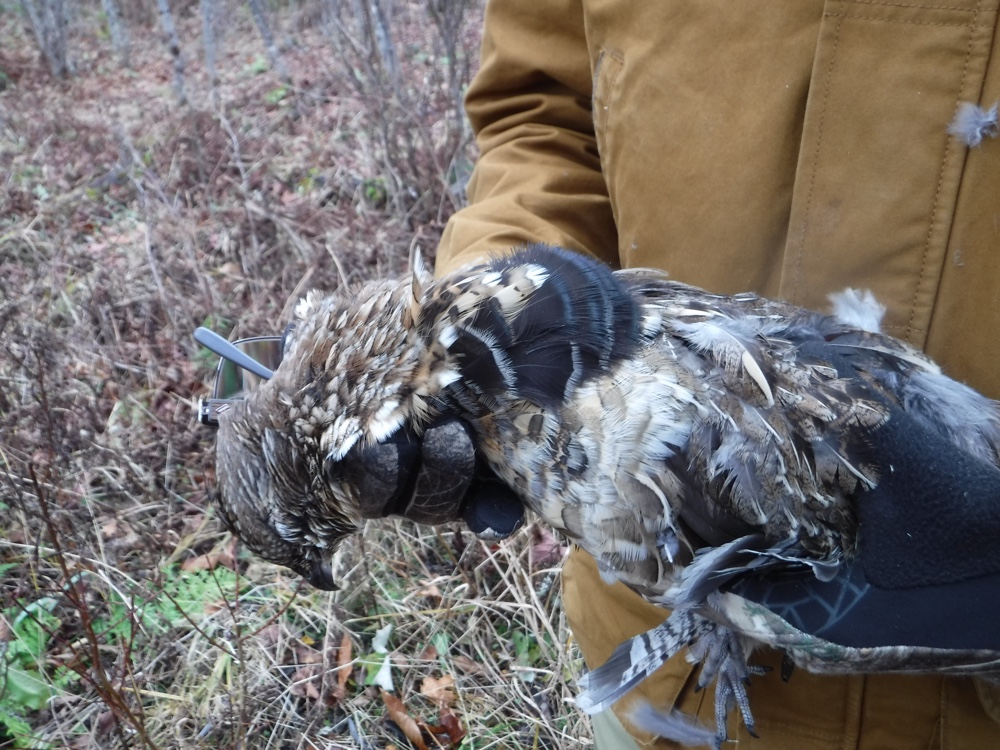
(697, 445)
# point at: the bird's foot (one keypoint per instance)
(723, 660)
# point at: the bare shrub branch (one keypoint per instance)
(273, 56)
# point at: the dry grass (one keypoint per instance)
(128, 617)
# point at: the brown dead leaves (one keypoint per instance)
(323, 672)
(225, 557)
(344, 661)
(448, 733)
(440, 691)
(410, 726)
(316, 682)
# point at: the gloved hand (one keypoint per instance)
(431, 479)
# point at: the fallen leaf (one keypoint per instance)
(431, 591)
(105, 721)
(440, 691)
(398, 713)
(303, 683)
(215, 606)
(454, 727)
(449, 733)
(467, 665)
(201, 562)
(344, 660)
(383, 678)
(270, 635)
(381, 640)
(307, 655)
(226, 557)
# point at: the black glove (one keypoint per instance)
(433, 479)
(927, 571)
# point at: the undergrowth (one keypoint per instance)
(129, 617)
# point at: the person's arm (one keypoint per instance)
(538, 178)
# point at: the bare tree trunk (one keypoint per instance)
(257, 9)
(174, 44)
(386, 48)
(49, 22)
(118, 31)
(330, 14)
(448, 17)
(363, 19)
(209, 10)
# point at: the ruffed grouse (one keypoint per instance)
(772, 475)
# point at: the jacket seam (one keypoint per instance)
(936, 209)
(945, 734)
(971, 24)
(914, 5)
(612, 82)
(804, 231)
(855, 713)
(800, 730)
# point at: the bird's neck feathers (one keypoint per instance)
(533, 325)
(349, 372)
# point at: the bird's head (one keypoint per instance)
(312, 452)
(270, 500)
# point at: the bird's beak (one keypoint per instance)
(322, 576)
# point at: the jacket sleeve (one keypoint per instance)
(538, 178)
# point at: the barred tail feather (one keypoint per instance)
(636, 659)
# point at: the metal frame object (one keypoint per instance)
(243, 364)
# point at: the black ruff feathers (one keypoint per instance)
(575, 324)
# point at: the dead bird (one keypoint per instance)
(772, 475)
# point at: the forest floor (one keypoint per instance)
(128, 616)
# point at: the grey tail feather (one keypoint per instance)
(825, 568)
(675, 726)
(637, 658)
(712, 567)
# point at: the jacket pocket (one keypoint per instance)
(875, 190)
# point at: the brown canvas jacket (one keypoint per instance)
(791, 147)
